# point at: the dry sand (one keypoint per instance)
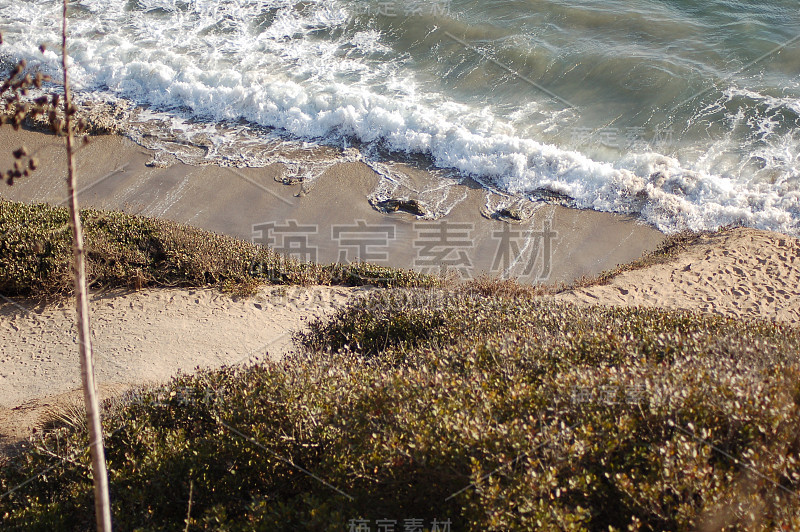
(743, 273)
(142, 338)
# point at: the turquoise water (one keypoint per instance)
(684, 113)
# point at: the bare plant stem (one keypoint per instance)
(102, 504)
(189, 510)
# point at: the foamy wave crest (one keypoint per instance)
(261, 61)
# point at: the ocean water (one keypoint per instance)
(685, 113)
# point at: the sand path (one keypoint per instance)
(743, 273)
(142, 337)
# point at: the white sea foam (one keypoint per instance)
(259, 60)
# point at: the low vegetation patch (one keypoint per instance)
(134, 252)
(492, 412)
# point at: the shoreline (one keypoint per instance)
(331, 219)
(483, 268)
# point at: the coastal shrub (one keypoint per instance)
(492, 412)
(134, 252)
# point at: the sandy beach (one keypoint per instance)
(148, 336)
(115, 173)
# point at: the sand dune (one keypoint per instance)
(744, 273)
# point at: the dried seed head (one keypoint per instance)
(1, 38)
(33, 164)
(42, 48)
(20, 152)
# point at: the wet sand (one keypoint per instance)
(334, 218)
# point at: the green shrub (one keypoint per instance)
(133, 252)
(498, 413)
